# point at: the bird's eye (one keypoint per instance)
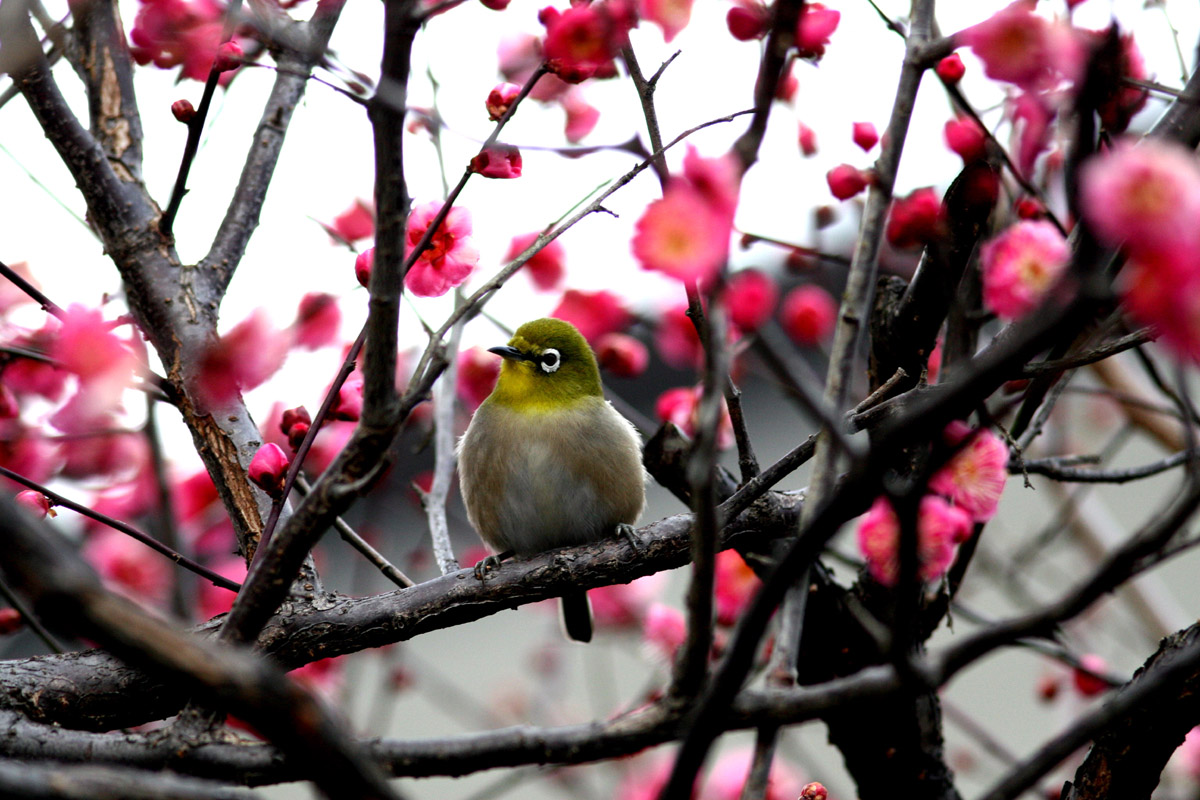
(550, 360)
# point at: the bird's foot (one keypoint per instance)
(629, 534)
(490, 564)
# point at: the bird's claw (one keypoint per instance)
(486, 565)
(629, 534)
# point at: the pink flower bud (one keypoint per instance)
(865, 135)
(355, 223)
(296, 434)
(845, 181)
(495, 5)
(498, 161)
(1087, 684)
(268, 468)
(36, 502)
(581, 117)
(816, 24)
(318, 321)
(349, 402)
(547, 266)
(229, 56)
(750, 298)
(951, 69)
(1030, 208)
(916, 219)
(808, 140)
(500, 98)
(748, 20)
(814, 791)
(808, 315)
(622, 355)
(965, 137)
(183, 110)
(292, 417)
(363, 264)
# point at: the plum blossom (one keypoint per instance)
(245, 357)
(917, 219)
(450, 257)
(846, 181)
(624, 605)
(546, 267)
(268, 468)
(582, 41)
(500, 98)
(865, 135)
(681, 407)
(498, 161)
(1020, 265)
(975, 476)
(36, 502)
(593, 313)
(1088, 681)
(748, 20)
(622, 355)
(1020, 47)
(670, 15)
(735, 586)
(808, 315)
(676, 340)
(104, 364)
(179, 33)
(951, 69)
(128, 567)
(364, 262)
(750, 297)
(816, 24)
(940, 527)
(183, 110)
(582, 116)
(965, 137)
(318, 321)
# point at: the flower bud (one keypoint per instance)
(183, 110)
(951, 69)
(36, 502)
(229, 56)
(268, 468)
(500, 98)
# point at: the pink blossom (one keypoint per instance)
(581, 116)
(750, 297)
(498, 161)
(623, 605)
(1032, 117)
(964, 136)
(357, 222)
(808, 315)
(728, 777)
(1087, 684)
(27, 376)
(917, 219)
(951, 69)
(974, 477)
(1020, 265)
(593, 313)
(364, 262)
(477, 373)
(676, 340)
(518, 56)
(128, 567)
(622, 355)
(348, 405)
(1146, 198)
(318, 321)
(670, 15)
(865, 135)
(500, 98)
(229, 57)
(115, 456)
(681, 407)
(808, 140)
(717, 180)
(735, 586)
(547, 266)
(193, 495)
(86, 346)
(450, 257)
(748, 20)
(846, 181)
(940, 526)
(1161, 291)
(35, 502)
(582, 41)
(245, 357)
(664, 629)
(816, 24)
(1018, 46)
(185, 33)
(269, 467)
(681, 236)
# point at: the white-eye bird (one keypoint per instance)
(546, 461)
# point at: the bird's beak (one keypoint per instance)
(504, 351)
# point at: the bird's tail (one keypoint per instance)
(577, 616)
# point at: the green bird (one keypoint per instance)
(548, 462)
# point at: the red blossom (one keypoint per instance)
(500, 98)
(750, 297)
(355, 223)
(11, 621)
(681, 407)
(808, 315)
(917, 219)
(846, 181)
(498, 161)
(268, 468)
(495, 5)
(1018, 46)
(364, 262)
(865, 135)
(748, 20)
(816, 24)
(622, 355)
(940, 527)
(547, 266)
(951, 69)
(245, 357)
(676, 340)
(318, 321)
(964, 136)
(593, 313)
(450, 257)
(582, 41)
(348, 406)
(581, 116)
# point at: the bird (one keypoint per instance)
(546, 460)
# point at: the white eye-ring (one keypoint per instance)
(550, 361)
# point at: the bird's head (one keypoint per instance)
(547, 365)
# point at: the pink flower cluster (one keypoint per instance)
(964, 491)
(1146, 200)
